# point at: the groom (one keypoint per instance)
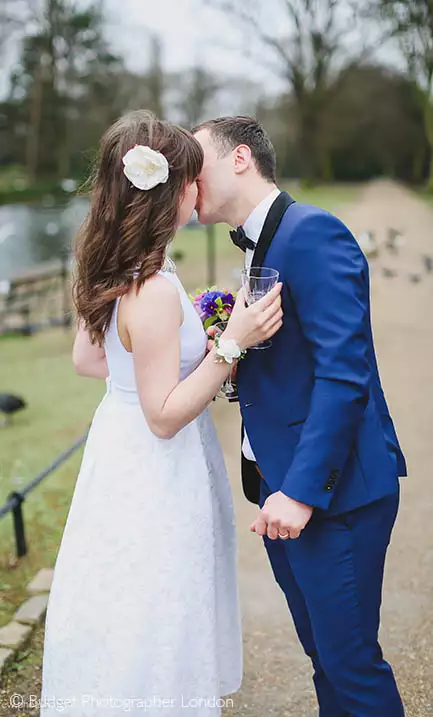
(320, 454)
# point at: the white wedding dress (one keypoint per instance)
(143, 614)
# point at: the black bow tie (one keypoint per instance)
(240, 239)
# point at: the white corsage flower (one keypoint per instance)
(227, 350)
(144, 167)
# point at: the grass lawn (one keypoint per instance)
(60, 407)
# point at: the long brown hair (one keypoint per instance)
(127, 230)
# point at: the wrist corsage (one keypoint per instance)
(227, 350)
(215, 307)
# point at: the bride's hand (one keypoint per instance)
(258, 322)
(211, 332)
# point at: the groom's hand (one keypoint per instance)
(282, 517)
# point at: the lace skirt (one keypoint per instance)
(143, 614)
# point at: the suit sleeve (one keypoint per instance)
(330, 293)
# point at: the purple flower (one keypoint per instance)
(228, 300)
(214, 305)
(208, 305)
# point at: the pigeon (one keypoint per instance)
(428, 263)
(395, 240)
(9, 405)
(368, 244)
(415, 278)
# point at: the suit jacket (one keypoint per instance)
(313, 404)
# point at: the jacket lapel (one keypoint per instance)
(272, 222)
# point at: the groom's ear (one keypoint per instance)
(242, 158)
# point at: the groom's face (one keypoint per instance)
(216, 185)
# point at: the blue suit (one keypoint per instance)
(320, 428)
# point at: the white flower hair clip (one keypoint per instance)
(145, 167)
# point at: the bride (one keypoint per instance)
(143, 614)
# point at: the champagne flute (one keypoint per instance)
(228, 389)
(257, 281)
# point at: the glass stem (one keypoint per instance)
(229, 384)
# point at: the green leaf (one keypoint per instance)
(209, 322)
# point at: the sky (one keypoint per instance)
(195, 32)
(192, 32)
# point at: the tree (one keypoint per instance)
(64, 58)
(194, 91)
(12, 14)
(371, 109)
(308, 41)
(364, 124)
(411, 23)
(155, 78)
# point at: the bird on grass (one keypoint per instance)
(395, 241)
(415, 278)
(9, 405)
(428, 263)
(367, 242)
(389, 273)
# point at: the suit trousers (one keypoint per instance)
(332, 579)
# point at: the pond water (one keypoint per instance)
(31, 234)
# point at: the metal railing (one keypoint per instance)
(14, 503)
(36, 300)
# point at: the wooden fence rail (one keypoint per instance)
(37, 299)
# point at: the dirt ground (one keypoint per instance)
(277, 681)
(277, 675)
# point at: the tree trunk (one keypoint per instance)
(428, 120)
(64, 155)
(54, 126)
(307, 133)
(33, 139)
(418, 163)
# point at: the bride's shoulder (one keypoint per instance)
(157, 295)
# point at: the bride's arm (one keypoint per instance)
(153, 322)
(88, 359)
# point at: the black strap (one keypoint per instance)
(272, 222)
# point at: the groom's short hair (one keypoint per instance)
(229, 132)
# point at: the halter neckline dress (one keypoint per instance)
(143, 614)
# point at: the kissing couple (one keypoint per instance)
(143, 614)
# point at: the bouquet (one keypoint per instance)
(213, 305)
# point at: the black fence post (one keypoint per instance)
(211, 255)
(17, 512)
(66, 318)
(16, 498)
(26, 329)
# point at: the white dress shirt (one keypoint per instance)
(253, 228)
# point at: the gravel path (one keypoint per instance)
(277, 674)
